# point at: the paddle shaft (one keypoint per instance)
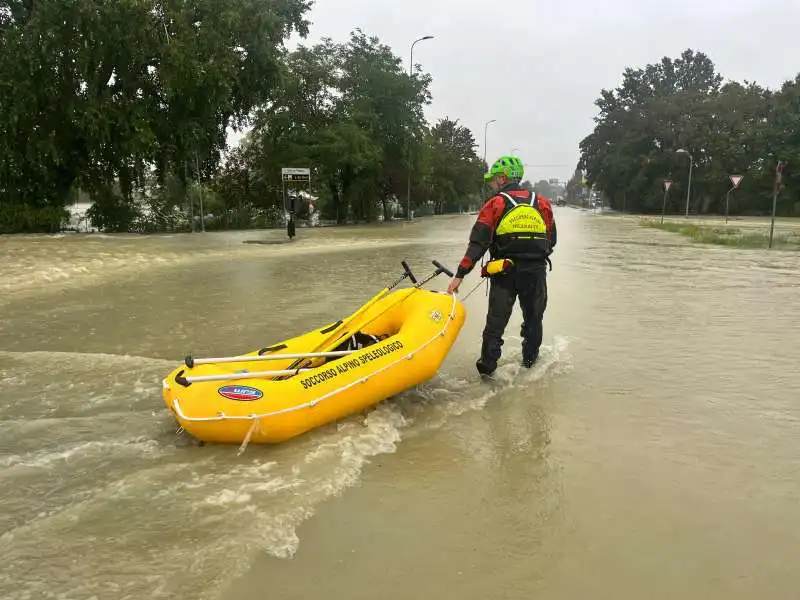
(250, 358)
(379, 296)
(230, 376)
(439, 270)
(294, 371)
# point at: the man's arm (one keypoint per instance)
(480, 238)
(547, 212)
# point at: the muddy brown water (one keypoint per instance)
(654, 452)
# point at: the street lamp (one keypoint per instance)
(485, 129)
(410, 69)
(411, 62)
(689, 187)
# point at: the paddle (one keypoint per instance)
(343, 324)
(187, 381)
(295, 369)
(190, 362)
(251, 358)
(440, 268)
(368, 305)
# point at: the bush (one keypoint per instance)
(111, 212)
(24, 218)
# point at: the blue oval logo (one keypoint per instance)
(242, 393)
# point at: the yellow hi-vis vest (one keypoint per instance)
(522, 232)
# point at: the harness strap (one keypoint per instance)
(514, 203)
(534, 201)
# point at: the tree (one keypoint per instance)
(128, 102)
(543, 188)
(575, 187)
(349, 110)
(97, 93)
(682, 104)
(383, 100)
(455, 172)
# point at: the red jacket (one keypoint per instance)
(482, 233)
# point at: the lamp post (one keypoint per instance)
(485, 129)
(689, 187)
(410, 74)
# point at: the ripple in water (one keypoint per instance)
(115, 504)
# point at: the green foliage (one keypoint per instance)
(728, 236)
(352, 114)
(576, 190)
(544, 188)
(729, 128)
(27, 218)
(95, 93)
(129, 101)
(111, 211)
(454, 173)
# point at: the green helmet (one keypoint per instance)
(510, 166)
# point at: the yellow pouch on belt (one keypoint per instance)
(496, 267)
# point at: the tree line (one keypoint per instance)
(352, 112)
(668, 113)
(126, 105)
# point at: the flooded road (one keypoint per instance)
(653, 452)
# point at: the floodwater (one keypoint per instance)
(654, 452)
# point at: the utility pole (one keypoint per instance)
(410, 74)
(688, 187)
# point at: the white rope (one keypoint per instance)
(477, 285)
(221, 416)
(247, 437)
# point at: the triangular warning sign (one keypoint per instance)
(735, 179)
(667, 183)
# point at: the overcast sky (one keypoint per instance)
(560, 54)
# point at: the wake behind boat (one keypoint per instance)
(397, 340)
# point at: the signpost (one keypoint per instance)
(293, 175)
(778, 178)
(667, 184)
(735, 180)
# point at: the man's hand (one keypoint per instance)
(453, 287)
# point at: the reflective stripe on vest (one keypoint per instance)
(523, 220)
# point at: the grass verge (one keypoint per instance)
(728, 236)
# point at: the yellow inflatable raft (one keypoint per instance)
(394, 342)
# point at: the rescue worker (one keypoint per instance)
(518, 229)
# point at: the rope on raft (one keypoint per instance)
(248, 436)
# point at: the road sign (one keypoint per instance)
(667, 184)
(776, 191)
(296, 174)
(735, 179)
(296, 177)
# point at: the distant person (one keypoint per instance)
(518, 226)
(290, 228)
